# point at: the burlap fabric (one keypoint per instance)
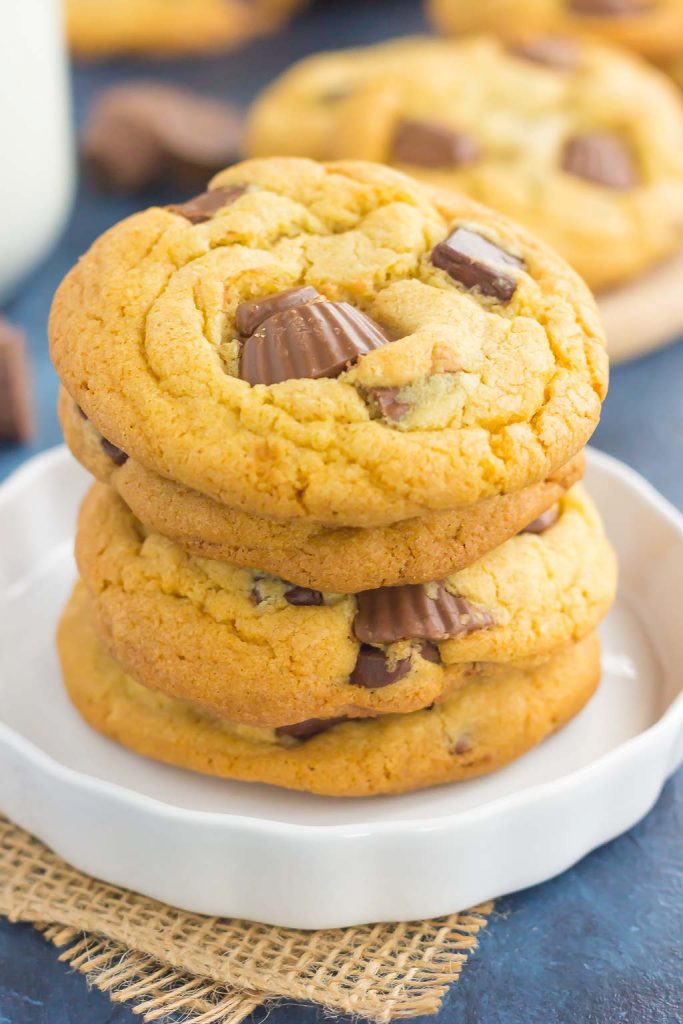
(171, 965)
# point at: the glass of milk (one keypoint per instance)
(36, 159)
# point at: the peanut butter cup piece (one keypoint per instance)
(415, 611)
(306, 730)
(427, 144)
(205, 205)
(551, 51)
(372, 669)
(318, 340)
(472, 260)
(609, 8)
(544, 521)
(601, 158)
(302, 596)
(250, 315)
(117, 455)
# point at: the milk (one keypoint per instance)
(36, 161)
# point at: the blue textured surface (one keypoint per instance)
(602, 944)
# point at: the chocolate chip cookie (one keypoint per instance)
(340, 560)
(490, 721)
(100, 29)
(335, 343)
(651, 27)
(264, 651)
(581, 142)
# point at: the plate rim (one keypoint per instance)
(515, 802)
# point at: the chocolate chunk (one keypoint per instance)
(303, 596)
(544, 521)
(464, 744)
(430, 652)
(257, 594)
(117, 455)
(320, 340)
(390, 614)
(372, 669)
(552, 51)
(251, 315)
(386, 402)
(311, 727)
(472, 260)
(601, 158)
(140, 133)
(203, 206)
(609, 8)
(427, 144)
(16, 407)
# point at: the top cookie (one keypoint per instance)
(581, 143)
(99, 28)
(433, 353)
(652, 27)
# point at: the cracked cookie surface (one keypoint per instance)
(580, 142)
(260, 651)
(489, 722)
(341, 560)
(499, 392)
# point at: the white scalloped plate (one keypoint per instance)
(257, 852)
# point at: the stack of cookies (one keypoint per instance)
(337, 541)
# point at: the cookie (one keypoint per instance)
(97, 29)
(581, 143)
(489, 722)
(336, 343)
(342, 560)
(651, 27)
(263, 651)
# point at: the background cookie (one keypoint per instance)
(495, 379)
(99, 28)
(652, 28)
(255, 649)
(485, 725)
(343, 560)
(581, 143)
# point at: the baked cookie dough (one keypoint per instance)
(261, 651)
(342, 560)
(101, 28)
(335, 342)
(651, 27)
(581, 143)
(489, 722)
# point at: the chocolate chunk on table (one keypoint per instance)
(17, 422)
(139, 133)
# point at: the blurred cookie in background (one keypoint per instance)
(102, 28)
(581, 142)
(143, 133)
(653, 28)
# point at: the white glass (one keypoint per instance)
(36, 160)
